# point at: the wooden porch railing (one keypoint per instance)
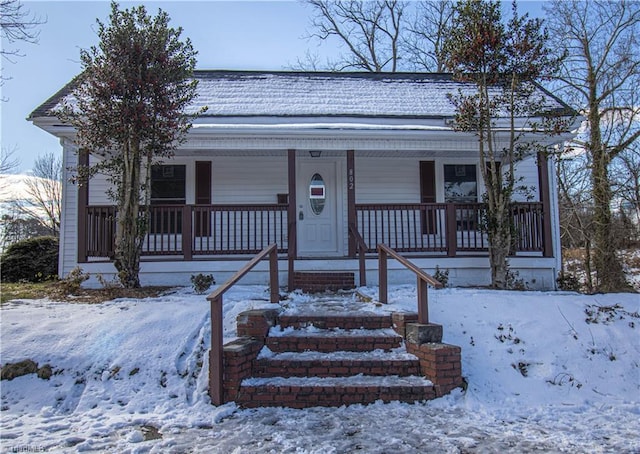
(441, 228)
(190, 230)
(423, 280)
(216, 365)
(361, 249)
(425, 228)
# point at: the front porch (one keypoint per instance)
(211, 231)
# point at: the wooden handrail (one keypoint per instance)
(216, 365)
(362, 249)
(423, 279)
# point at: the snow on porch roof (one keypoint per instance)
(319, 94)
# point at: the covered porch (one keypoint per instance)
(187, 232)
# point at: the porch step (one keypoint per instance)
(322, 281)
(304, 392)
(342, 321)
(338, 364)
(320, 340)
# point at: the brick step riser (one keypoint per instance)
(298, 322)
(322, 281)
(331, 344)
(338, 368)
(313, 396)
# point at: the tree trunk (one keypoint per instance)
(127, 247)
(499, 237)
(609, 273)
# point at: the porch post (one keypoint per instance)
(83, 201)
(451, 229)
(351, 199)
(187, 231)
(545, 198)
(292, 228)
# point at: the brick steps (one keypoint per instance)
(305, 360)
(333, 392)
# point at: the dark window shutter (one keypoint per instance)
(428, 195)
(203, 197)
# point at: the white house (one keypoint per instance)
(321, 164)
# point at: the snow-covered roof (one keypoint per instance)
(319, 94)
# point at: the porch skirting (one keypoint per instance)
(537, 273)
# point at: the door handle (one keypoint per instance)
(301, 215)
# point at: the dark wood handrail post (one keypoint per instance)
(423, 302)
(451, 229)
(361, 246)
(362, 266)
(187, 233)
(216, 371)
(273, 276)
(382, 276)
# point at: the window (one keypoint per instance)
(168, 184)
(460, 187)
(460, 183)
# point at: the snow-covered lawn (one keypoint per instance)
(541, 378)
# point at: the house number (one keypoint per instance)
(352, 180)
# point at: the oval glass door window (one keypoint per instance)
(317, 195)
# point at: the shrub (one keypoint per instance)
(202, 282)
(71, 284)
(441, 276)
(568, 282)
(31, 260)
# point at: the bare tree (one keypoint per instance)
(576, 209)
(17, 24)
(44, 191)
(601, 76)
(426, 33)
(625, 178)
(8, 161)
(370, 31)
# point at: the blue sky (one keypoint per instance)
(265, 35)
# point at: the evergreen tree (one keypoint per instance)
(129, 111)
(503, 62)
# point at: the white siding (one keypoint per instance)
(387, 180)
(68, 254)
(248, 180)
(527, 169)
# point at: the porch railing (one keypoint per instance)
(441, 228)
(190, 230)
(201, 230)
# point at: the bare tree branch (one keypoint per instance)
(426, 33)
(370, 31)
(17, 24)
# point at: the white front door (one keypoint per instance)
(318, 201)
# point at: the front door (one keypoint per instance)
(317, 212)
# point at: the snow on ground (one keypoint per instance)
(547, 372)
